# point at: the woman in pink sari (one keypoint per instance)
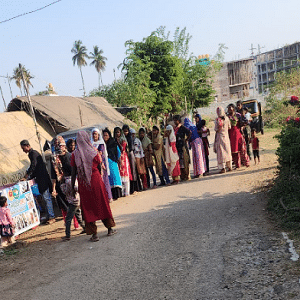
(94, 203)
(171, 154)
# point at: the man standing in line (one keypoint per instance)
(38, 171)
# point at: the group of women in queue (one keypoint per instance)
(230, 145)
(108, 166)
(128, 158)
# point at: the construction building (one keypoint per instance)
(271, 62)
(236, 80)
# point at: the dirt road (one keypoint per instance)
(209, 238)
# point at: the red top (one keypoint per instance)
(255, 143)
(93, 199)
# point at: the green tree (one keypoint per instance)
(197, 85)
(17, 76)
(79, 58)
(161, 72)
(159, 76)
(98, 61)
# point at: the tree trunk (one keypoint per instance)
(84, 93)
(99, 78)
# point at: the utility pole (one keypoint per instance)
(252, 50)
(259, 48)
(3, 97)
(32, 113)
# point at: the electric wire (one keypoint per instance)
(30, 12)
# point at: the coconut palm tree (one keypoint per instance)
(17, 76)
(79, 58)
(98, 61)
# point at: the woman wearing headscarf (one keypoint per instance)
(124, 165)
(198, 152)
(183, 135)
(222, 142)
(94, 202)
(139, 158)
(171, 154)
(99, 144)
(61, 168)
(148, 151)
(135, 185)
(114, 154)
(158, 146)
(237, 141)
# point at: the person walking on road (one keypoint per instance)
(86, 164)
(37, 170)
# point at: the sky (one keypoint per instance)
(42, 41)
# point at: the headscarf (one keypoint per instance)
(172, 137)
(170, 156)
(100, 140)
(188, 124)
(199, 117)
(56, 161)
(145, 141)
(221, 116)
(128, 137)
(111, 146)
(97, 144)
(84, 155)
(221, 112)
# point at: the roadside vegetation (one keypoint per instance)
(283, 111)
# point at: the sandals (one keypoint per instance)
(94, 239)
(111, 232)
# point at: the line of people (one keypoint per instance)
(130, 159)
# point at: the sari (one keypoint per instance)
(237, 142)
(171, 155)
(198, 151)
(222, 143)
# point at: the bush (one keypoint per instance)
(285, 193)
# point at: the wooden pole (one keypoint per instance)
(32, 113)
(3, 98)
(80, 115)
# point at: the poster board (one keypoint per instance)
(22, 206)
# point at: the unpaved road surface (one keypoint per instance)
(209, 238)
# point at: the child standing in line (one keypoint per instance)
(6, 223)
(73, 208)
(204, 134)
(255, 145)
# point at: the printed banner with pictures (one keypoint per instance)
(22, 206)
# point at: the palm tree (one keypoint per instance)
(80, 55)
(98, 61)
(17, 76)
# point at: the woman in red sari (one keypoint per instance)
(94, 203)
(237, 141)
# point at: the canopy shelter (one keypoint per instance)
(62, 113)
